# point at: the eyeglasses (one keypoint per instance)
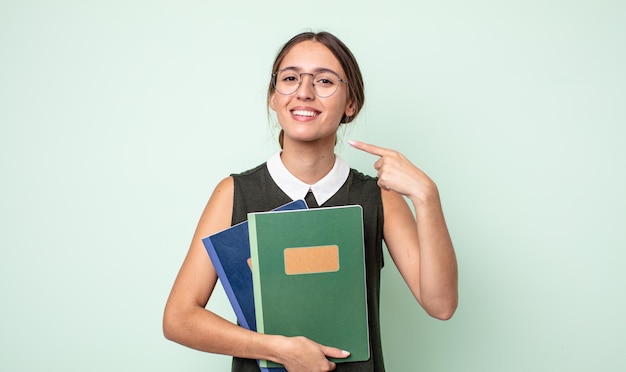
(325, 83)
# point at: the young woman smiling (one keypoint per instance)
(315, 87)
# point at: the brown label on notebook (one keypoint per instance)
(311, 260)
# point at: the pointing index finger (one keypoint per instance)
(369, 148)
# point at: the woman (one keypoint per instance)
(316, 86)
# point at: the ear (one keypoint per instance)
(350, 108)
(273, 101)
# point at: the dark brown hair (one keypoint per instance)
(356, 89)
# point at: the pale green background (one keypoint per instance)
(118, 118)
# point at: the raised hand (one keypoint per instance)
(397, 173)
(426, 260)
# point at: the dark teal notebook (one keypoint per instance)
(308, 273)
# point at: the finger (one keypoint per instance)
(333, 352)
(369, 148)
(386, 188)
(378, 164)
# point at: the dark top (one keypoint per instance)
(256, 191)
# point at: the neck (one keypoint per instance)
(308, 163)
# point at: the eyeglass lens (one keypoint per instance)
(325, 83)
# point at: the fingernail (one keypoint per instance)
(345, 352)
(351, 142)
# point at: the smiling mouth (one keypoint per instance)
(305, 113)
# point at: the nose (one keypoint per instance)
(306, 89)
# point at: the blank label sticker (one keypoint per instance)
(311, 260)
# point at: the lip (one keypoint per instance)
(304, 113)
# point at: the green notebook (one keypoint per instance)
(308, 273)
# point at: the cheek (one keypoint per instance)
(278, 102)
(342, 107)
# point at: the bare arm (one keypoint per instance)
(419, 245)
(186, 321)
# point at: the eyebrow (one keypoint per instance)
(317, 70)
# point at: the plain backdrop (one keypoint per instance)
(118, 118)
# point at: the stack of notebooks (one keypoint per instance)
(297, 272)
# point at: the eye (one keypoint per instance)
(288, 77)
(325, 80)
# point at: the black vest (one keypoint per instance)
(256, 191)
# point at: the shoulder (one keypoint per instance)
(222, 198)
(217, 213)
(250, 172)
(251, 180)
(392, 202)
(359, 176)
(363, 181)
(363, 190)
(224, 186)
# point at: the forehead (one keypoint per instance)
(311, 56)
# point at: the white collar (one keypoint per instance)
(323, 189)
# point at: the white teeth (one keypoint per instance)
(304, 113)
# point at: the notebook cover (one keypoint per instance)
(308, 270)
